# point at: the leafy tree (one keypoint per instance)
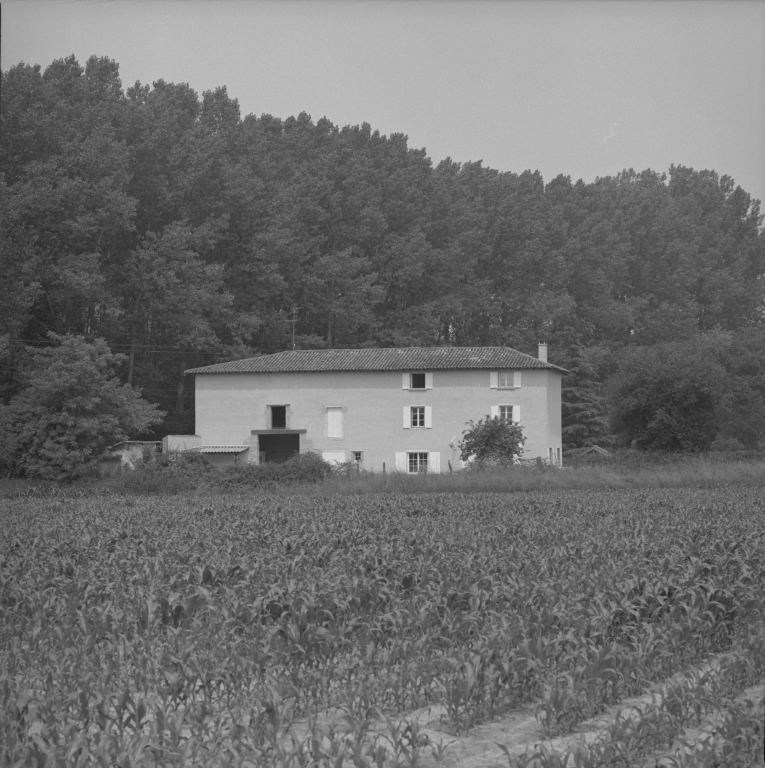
(180, 232)
(492, 440)
(71, 408)
(584, 405)
(743, 413)
(668, 397)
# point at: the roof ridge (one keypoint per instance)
(382, 359)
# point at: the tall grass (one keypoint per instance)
(689, 474)
(307, 474)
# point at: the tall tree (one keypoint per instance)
(71, 407)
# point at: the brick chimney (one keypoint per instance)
(542, 351)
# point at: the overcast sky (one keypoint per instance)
(577, 87)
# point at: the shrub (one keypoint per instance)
(301, 468)
(492, 442)
(174, 472)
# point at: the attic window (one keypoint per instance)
(278, 417)
(418, 381)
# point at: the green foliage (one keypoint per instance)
(302, 468)
(183, 234)
(743, 419)
(172, 473)
(71, 407)
(296, 630)
(584, 402)
(492, 441)
(182, 472)
(668, 397)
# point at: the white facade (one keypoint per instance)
(397, 420)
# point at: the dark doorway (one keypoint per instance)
(278, 417)
(278, 448)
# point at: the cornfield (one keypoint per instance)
(625, 627)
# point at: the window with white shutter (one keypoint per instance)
(417, 380)
(335, 422)
(417, 462)
(504, 379)
(434, 462)
(506, 413)
(417, 413)
(401, 465)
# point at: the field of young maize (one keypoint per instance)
(589, 628)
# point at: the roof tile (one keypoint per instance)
(376, 359)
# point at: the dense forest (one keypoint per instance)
(182, 234)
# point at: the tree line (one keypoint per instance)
(181, 233)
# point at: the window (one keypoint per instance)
(417, 381)
(418, 416)
(505, 379)
(278, 417)
(358, 456)
(335, 422)
(506, 413)
(417, 462)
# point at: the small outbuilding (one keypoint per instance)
(125, 454)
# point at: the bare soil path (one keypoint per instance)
(520, 732)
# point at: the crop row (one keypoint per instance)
(182, 631)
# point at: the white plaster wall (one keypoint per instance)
(230, 406)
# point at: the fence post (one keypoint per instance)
(449, 462)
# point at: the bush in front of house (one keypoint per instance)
(492, 442)
(301, 468)
(173, 472)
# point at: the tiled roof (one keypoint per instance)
(222, 448)
(391, 359)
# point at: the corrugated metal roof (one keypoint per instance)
(391, 359)
(134, 442)
(223, 448)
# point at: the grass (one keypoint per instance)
(698, 473)
(625, 472)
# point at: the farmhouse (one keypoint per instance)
(400, 408)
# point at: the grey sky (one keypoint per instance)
(519, 85)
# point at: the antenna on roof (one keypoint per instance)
(294, 320)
